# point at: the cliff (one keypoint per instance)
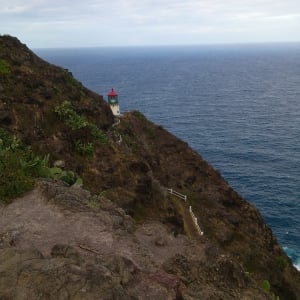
(122, 235)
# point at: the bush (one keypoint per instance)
(4, 68)
(266, 286)
(19, 167)
(97, 133)
(84, 148)
(139, 115)
(15, 175)
(75, 121)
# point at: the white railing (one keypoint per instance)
(173, 192)
(195, 221)
(184, 197)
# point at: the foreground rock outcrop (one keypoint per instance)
(61, 242)
(123, 236)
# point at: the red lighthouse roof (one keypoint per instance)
(112, 93)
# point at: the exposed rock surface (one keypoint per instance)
(132, 241)
(60, 242)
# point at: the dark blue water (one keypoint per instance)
(239, 106)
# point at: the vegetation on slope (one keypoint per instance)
(133, 162)
(19, 168)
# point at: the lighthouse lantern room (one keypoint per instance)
(113, 102)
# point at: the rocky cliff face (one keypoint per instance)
(127, 237)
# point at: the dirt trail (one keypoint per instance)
(60, 241)
(63, 217)
(183, 209)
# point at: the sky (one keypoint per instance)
(96, 23)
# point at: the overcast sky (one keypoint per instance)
(78, 23)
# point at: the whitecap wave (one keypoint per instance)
(293, 256)
(297, 264)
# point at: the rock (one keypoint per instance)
(160, 241)
(65, 251)
(59, 164)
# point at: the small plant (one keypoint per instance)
(93, 204)
(150, 131)
(139, 115)
(19, 167)
(129, 141)
(248, 274)
(97, 133)
(74, 120)
(15, 177)
(4, 68)
(68, 177)
(71, 79)
(102, 194)
(84, 148)
(38, 166)
(281, 262)
(266, 286)
(146, 127)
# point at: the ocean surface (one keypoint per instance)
(237, 105)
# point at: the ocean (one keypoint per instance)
(237, 105)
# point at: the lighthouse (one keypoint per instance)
(113, 102)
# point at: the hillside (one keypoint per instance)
(121, 236)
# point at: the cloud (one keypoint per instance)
(124, 22)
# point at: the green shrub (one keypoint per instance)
(281, 262)
(150, 131)
(15, 176)
(266, 286)
(19, 167)
(129, 141)
(75, 121)
(71, 79)
(84, 148)
(38, 166)
(97, 133)
(68, 177)
(4, 68)
(139, 115)
(93, 204)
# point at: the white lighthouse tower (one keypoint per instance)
(113, 102)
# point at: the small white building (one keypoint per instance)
(114, 102)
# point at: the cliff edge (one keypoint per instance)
(123, 235)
